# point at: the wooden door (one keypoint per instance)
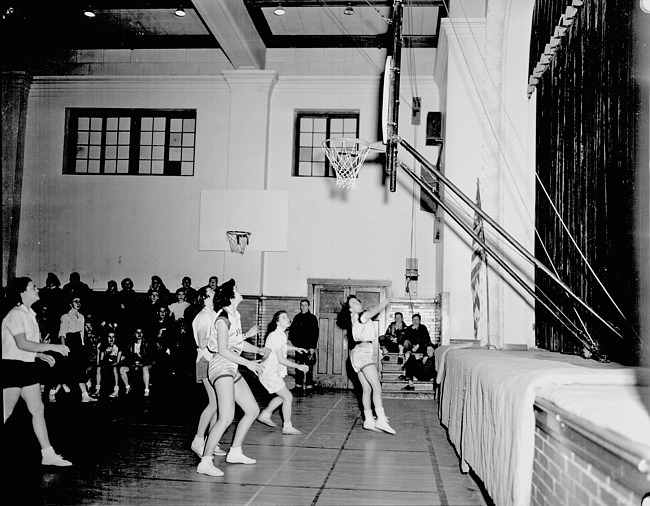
(328, 296)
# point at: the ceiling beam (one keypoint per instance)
(232, 27)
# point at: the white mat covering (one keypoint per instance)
(486, 404)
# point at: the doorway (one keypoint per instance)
(327, 297)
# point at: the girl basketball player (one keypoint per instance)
(275, 369)
(228, 383)
(362, 358)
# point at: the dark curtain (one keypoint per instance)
(587, 104)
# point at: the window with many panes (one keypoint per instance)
(152, 142)
(312, 128)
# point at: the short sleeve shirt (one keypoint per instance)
(20, 320)
(277, 343)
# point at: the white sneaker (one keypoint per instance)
(291, 431)
(207, 467)
(382, 424)
(146, 392)
(87, 398)
(66, 389)
(198, 447)
(266, 420)
(115, 393)
(239, 458)
(52, 396)
(370, 424)
(52, 459)
(218, 452)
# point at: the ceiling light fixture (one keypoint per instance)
(89, 13)
(180, 12)
(348, 10)
(279, 11)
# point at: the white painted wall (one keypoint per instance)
(111, 227)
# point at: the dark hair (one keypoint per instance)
(125, 281)
(74, 277)
(225, 293)
(52, 279)
(186, 278)
(416, 315)
(344, 318)
(305, 300)
(399, 313)
(273, 324)
(112, 282)
(15, 289)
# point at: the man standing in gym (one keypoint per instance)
(303, 333)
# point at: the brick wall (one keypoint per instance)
(430, 311)
(568, 471)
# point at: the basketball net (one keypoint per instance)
(238, 240)
(346, 155)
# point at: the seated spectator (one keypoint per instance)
(213, 283)
(51, 296)
(77, 288)
(190, 293)
(109, 357)
(108, 305)
(164, 294)
(130, 305)
(393, 339)
(177, 309)
(423, 369)
(152, 307)
(137, 357)
(161, 336)
(72, 334)
(416, 337)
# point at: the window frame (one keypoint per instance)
(134, 116)
(328, 115)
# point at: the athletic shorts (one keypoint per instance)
(18, 374)
(362, 355)
(220, 367)
(202, 369)
(272, 381)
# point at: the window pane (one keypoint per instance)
(175, 139)
(189, 125)
(82, 138)
(110, 167)
(94, 152)
(111, 137)
(111, 152)
(176, 125)
(157, 167)
(125, 124)
(146, 124)
(187, 169)
(145, 153)
(304, 169)
(123, 152)
(81, 166)
(82, 152)
(159, 124)
(159, 138)
(305, 139)
(124, 137)
(93, 167)
(320, 125)
(188, 140)
(318, 140)
(318, 169)
(95, 137)
(305, 154)
(83, 123)
(188, 154)
(122, 167)
(174, 154)
(319, 155)
(158, 153)
(146, 138)
(95, 124)
(111, 123)
(336, 125)
(144, 167)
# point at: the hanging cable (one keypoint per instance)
(511, 123)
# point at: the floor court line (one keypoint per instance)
(289, 457)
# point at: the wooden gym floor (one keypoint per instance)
(133, 450)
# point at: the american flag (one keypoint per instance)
(477, 259)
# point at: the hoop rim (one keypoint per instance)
(237, 232)
(372, 146)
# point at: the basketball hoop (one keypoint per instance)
(346, 155)
(238, 240)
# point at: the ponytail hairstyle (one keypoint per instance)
(273, 324)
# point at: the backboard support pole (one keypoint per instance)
(393, 97)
